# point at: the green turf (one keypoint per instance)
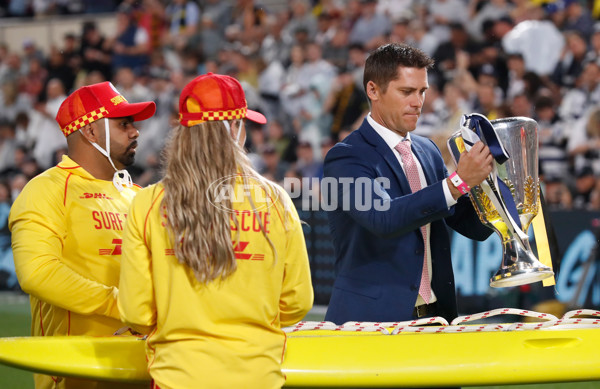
(15, 320)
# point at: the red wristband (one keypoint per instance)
(462, 186)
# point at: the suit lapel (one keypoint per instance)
(373, 138)
(423, 158)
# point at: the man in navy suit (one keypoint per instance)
(390, 226)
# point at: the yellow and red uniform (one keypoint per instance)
(227, 333)
(67, 229)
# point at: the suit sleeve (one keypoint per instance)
(136, 292)
(352, 184)
(297, 292)
(37, 223)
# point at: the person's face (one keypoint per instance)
(123, 140)
(399, 107)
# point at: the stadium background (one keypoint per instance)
(474, 262)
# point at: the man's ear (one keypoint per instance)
(90, 132)
(372, 91)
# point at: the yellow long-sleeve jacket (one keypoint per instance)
(227, 333)
(67, 228)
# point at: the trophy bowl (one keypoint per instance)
(512, 186)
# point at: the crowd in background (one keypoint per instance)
(301, 64)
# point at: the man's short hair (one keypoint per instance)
(382, 64)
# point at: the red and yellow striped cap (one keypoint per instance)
(214, 97)
(92, 102)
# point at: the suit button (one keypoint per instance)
(419, 252)
(413, 287)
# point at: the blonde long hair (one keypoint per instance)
(196, 157)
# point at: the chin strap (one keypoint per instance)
(121, 178)
(239, 133)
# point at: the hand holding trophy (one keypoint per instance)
(507, 200)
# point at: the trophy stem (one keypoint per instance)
(519, 265)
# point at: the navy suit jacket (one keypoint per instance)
(379, 254)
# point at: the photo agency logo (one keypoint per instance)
(349, 193)
(231, 192)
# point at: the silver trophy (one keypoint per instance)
(512, 184)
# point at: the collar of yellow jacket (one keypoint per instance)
(74, 168)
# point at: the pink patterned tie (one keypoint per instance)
(412, 173)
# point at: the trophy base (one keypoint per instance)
(514, 277)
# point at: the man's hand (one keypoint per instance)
(475, 165)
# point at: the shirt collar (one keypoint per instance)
(390, 137)
(73, 167)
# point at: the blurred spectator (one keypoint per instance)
(520, 105)
(183, 18)
(23, 137)
(215, 18)
(284, 144)
(17, 183)
(399, 32)
(95, 54)
(131, 43)
(453, 105)
(270, 82)
(585, 183)
(274, 169)
(357, 56)
(43, 125)
(35, 79)
(248, 24)
(150, 16)
(10, 70)
(422, 38)
(584, 143)
(314, 121)
(255, 143)
(292, 91)
(577, 17)
(30, 52)
(516, 74)
(301, 19)
(491, 10)
(557, 194)
(429, 121)
(58, 67)
(594, 47)
(156, 129)
(8, 144)
(394, 9)
(350, 14)
(486, 102)
(572, 59)
(326, 145)
(307, 164)
(371, 28)
(326, 29)
(128, 84)
(552, 138)
(445, 54)
(8, 277)
(575, 102)
(346, 102)
(276, 46)
(12, 101)
(441, 14)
